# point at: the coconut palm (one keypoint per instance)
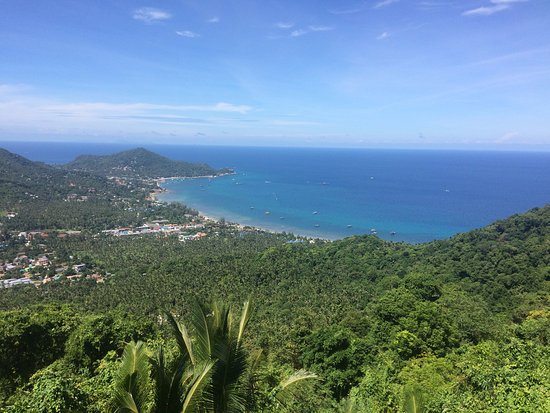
(141, 375)
(213, 371)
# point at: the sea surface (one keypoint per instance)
(401, 195)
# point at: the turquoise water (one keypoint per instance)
(419, 195)
(401, 195)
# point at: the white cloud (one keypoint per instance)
(299, 32)
(346, 11)
(310, 29)
(187, 33)
(486, 10)
(150, 15)
(10, 89)
(507, 1)
(24, 112)
(384, 3)
(214, 19)
(284, 25)
(383, 36)
(495, 6)
(320, 28)
(508, 137)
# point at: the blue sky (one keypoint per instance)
(382, 73)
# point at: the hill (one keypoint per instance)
(463, 322)
(24, 181)
(140, 163)
(371, 317)
(39, 196)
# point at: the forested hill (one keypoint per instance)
(22, 180)
(140, 163)
(462, 322)
(37, 196)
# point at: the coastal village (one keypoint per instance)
(26, 268)
(31, 257)
(43, 269)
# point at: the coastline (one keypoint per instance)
(213, 219)
(160, 189)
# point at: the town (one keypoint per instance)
(35, 265)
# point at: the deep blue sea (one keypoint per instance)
(333, 193)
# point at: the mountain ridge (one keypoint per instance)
(141, 163)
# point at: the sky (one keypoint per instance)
(381, 73)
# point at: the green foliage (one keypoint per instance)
(138, 163)
(338, 355)
(51, 390)
(211, 371)
(31, 339)
(462, 321)
(96, 335)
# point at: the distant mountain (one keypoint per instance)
(140, 163)
(22, 180)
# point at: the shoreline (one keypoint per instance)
(158, 181)
(208, 217)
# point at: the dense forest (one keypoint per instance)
(46, 197)
(140, 163)
(465, 322)
(458, 325)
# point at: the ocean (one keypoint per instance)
(400, 195)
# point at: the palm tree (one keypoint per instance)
(175, 390)
(213, 371)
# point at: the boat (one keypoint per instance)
(251, 207)
(315, 212)
(267, 212)
(373, 230)
(393, 233)
(348, 226)
(317, 225)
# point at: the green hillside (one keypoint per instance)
(462, 322)
(140, 163)
(48, 197)
(25, 181)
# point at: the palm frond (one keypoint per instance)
(292, 388)
(414, 400)
(131, 383)
(245, 316)
(183, 338)
(196, 392)
(296, 378)
(169, 385)
(202, 331)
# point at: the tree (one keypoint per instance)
(212, 371)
